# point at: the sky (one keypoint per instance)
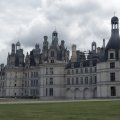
(77, 22)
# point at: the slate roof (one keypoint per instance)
(85, 63)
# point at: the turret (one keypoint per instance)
(113, 45)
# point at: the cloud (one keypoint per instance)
(77, 22)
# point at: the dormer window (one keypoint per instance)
(52, 61)
(81, 64)
(72, 65)
(112, 65)
(52, 53)
(112, 77)
(111, 55)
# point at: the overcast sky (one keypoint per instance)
(77, 22)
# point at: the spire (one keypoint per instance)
(114, 13)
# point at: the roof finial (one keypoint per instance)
(55, 28)
(114, 13)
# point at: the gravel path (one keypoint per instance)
(31, 101)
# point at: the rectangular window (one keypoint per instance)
(31, 74)
(86, 80)
(52, 61)
(46, 71)
(51, 71)
(28, 74)
(52, 53)
(25, 83)
(36, 74)
(68, 71)
(46, 92)
(72, 71)
(76, 71)
(72, 81)
(90, 79)
(51, 81)
(95, 80)
(36, 82)
(31, 83)
(86, 70)
(25, 75)
(91, 69)
(113, 91)
(81, 80)
(68, 81)
(46, 81)
(81, 70)
(112, 77)
(111, 55)
(112, 65)
(77, 82)
(95, 69)
(51, 91)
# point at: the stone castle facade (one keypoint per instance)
(50, 73)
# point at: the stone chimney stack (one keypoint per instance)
(103, 43)
(13, 49)
(74, 55)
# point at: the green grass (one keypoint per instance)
(107, 110)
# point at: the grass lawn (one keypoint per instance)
(107, 110)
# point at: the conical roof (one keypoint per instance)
(114, 20)
(114, 42)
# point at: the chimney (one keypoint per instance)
(103, 43)
(74, 55)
